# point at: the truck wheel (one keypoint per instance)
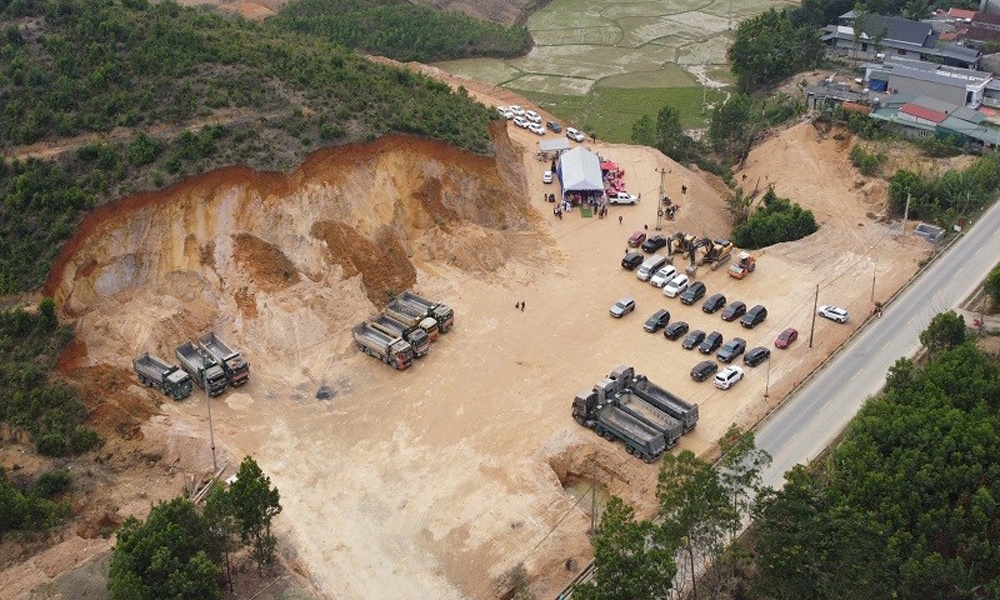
(629, 449)
(648, 459)
(579, 420)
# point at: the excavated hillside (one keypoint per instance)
(268, 254)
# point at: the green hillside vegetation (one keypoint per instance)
(942, 198)
(776, 220)
(402, 30)
(33, 505)
(49, 411)
(208, 90)
(908, 505)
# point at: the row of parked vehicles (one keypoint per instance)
(208, 362)
(532, 121)
(630, 408)
(404, 330)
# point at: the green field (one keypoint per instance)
(610, 111)
(601, 64)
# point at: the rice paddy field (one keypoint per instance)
(603, 64)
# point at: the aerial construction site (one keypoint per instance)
(443, 478)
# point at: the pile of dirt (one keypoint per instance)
(382, 263)
(269, 268)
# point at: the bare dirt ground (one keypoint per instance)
(435, 482)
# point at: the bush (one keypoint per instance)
(52, 483)
(777, 220)
(939, 199)
(869, 163)
(20, 511)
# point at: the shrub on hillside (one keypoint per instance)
(776, 220)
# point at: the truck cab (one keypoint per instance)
(178, 384)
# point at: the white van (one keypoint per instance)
(649, 266)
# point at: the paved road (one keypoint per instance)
(811, 419)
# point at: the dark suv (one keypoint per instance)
(654, 243)
(711, 343)
(754, 317)
(756, 356)
(693, 293)
(657, 321)
(731, 350)
(632, 260)
(693, 339)
(733, 311)
(675, 330)
(704, 370)
(714, 303)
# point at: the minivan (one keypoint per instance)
(754, 317)
(649, 266)
(632, 260)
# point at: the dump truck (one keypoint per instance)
(415, 335)
(613, 423)
(236, 368)
(442, 313)
(392, 350)
(659, 398)
(413, 316)
(745, 264)
(202, 368)
(611, 390)
(158, 373)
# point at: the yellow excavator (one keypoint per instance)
(717, 252)
(680, 243)
(746, 263)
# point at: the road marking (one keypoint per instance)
(855, 376)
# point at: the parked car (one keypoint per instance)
(505, 112)
(637, 238)
(675, 330)
(731, 350)
(623, 198)
(547, 177)
(650, 266)
(734, 310)
(834, 313)
(693, 293)
(554, 127)
(657, 321)
(754, 317)
(532, 116)
(632, 260)
(575, 135)
(654, 243)
(693, 339)
(622, 307)
(536, 129)
(704, 370)
(757, 355)
(517, 110)
(676, 285)
(786, 337)
(663, 276)
(728, 377)
(714, 303)
(521, 122)
(711, 343)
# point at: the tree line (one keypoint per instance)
(403, 30)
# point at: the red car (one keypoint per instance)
(636, 238)
(786, 337)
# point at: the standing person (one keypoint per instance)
(517, 305)
(619, 219)
(522, 305)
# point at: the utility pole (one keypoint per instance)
(593, 497)
(211, 433)
(767, 382)
(812, 329)
(660, 201)
(874, 270)
(906, 212)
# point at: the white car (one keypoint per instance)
(502, 110)
(536, 129)
(664, 275)
(521, 122)
(574, 135)
(517, 110)
(533, 116)
(728, 377)
(834, 313)
(622, 198)
(547, 177)
(508, 115)
(677, 285)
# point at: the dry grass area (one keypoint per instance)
(437, 481)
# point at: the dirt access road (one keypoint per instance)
(437, 481)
